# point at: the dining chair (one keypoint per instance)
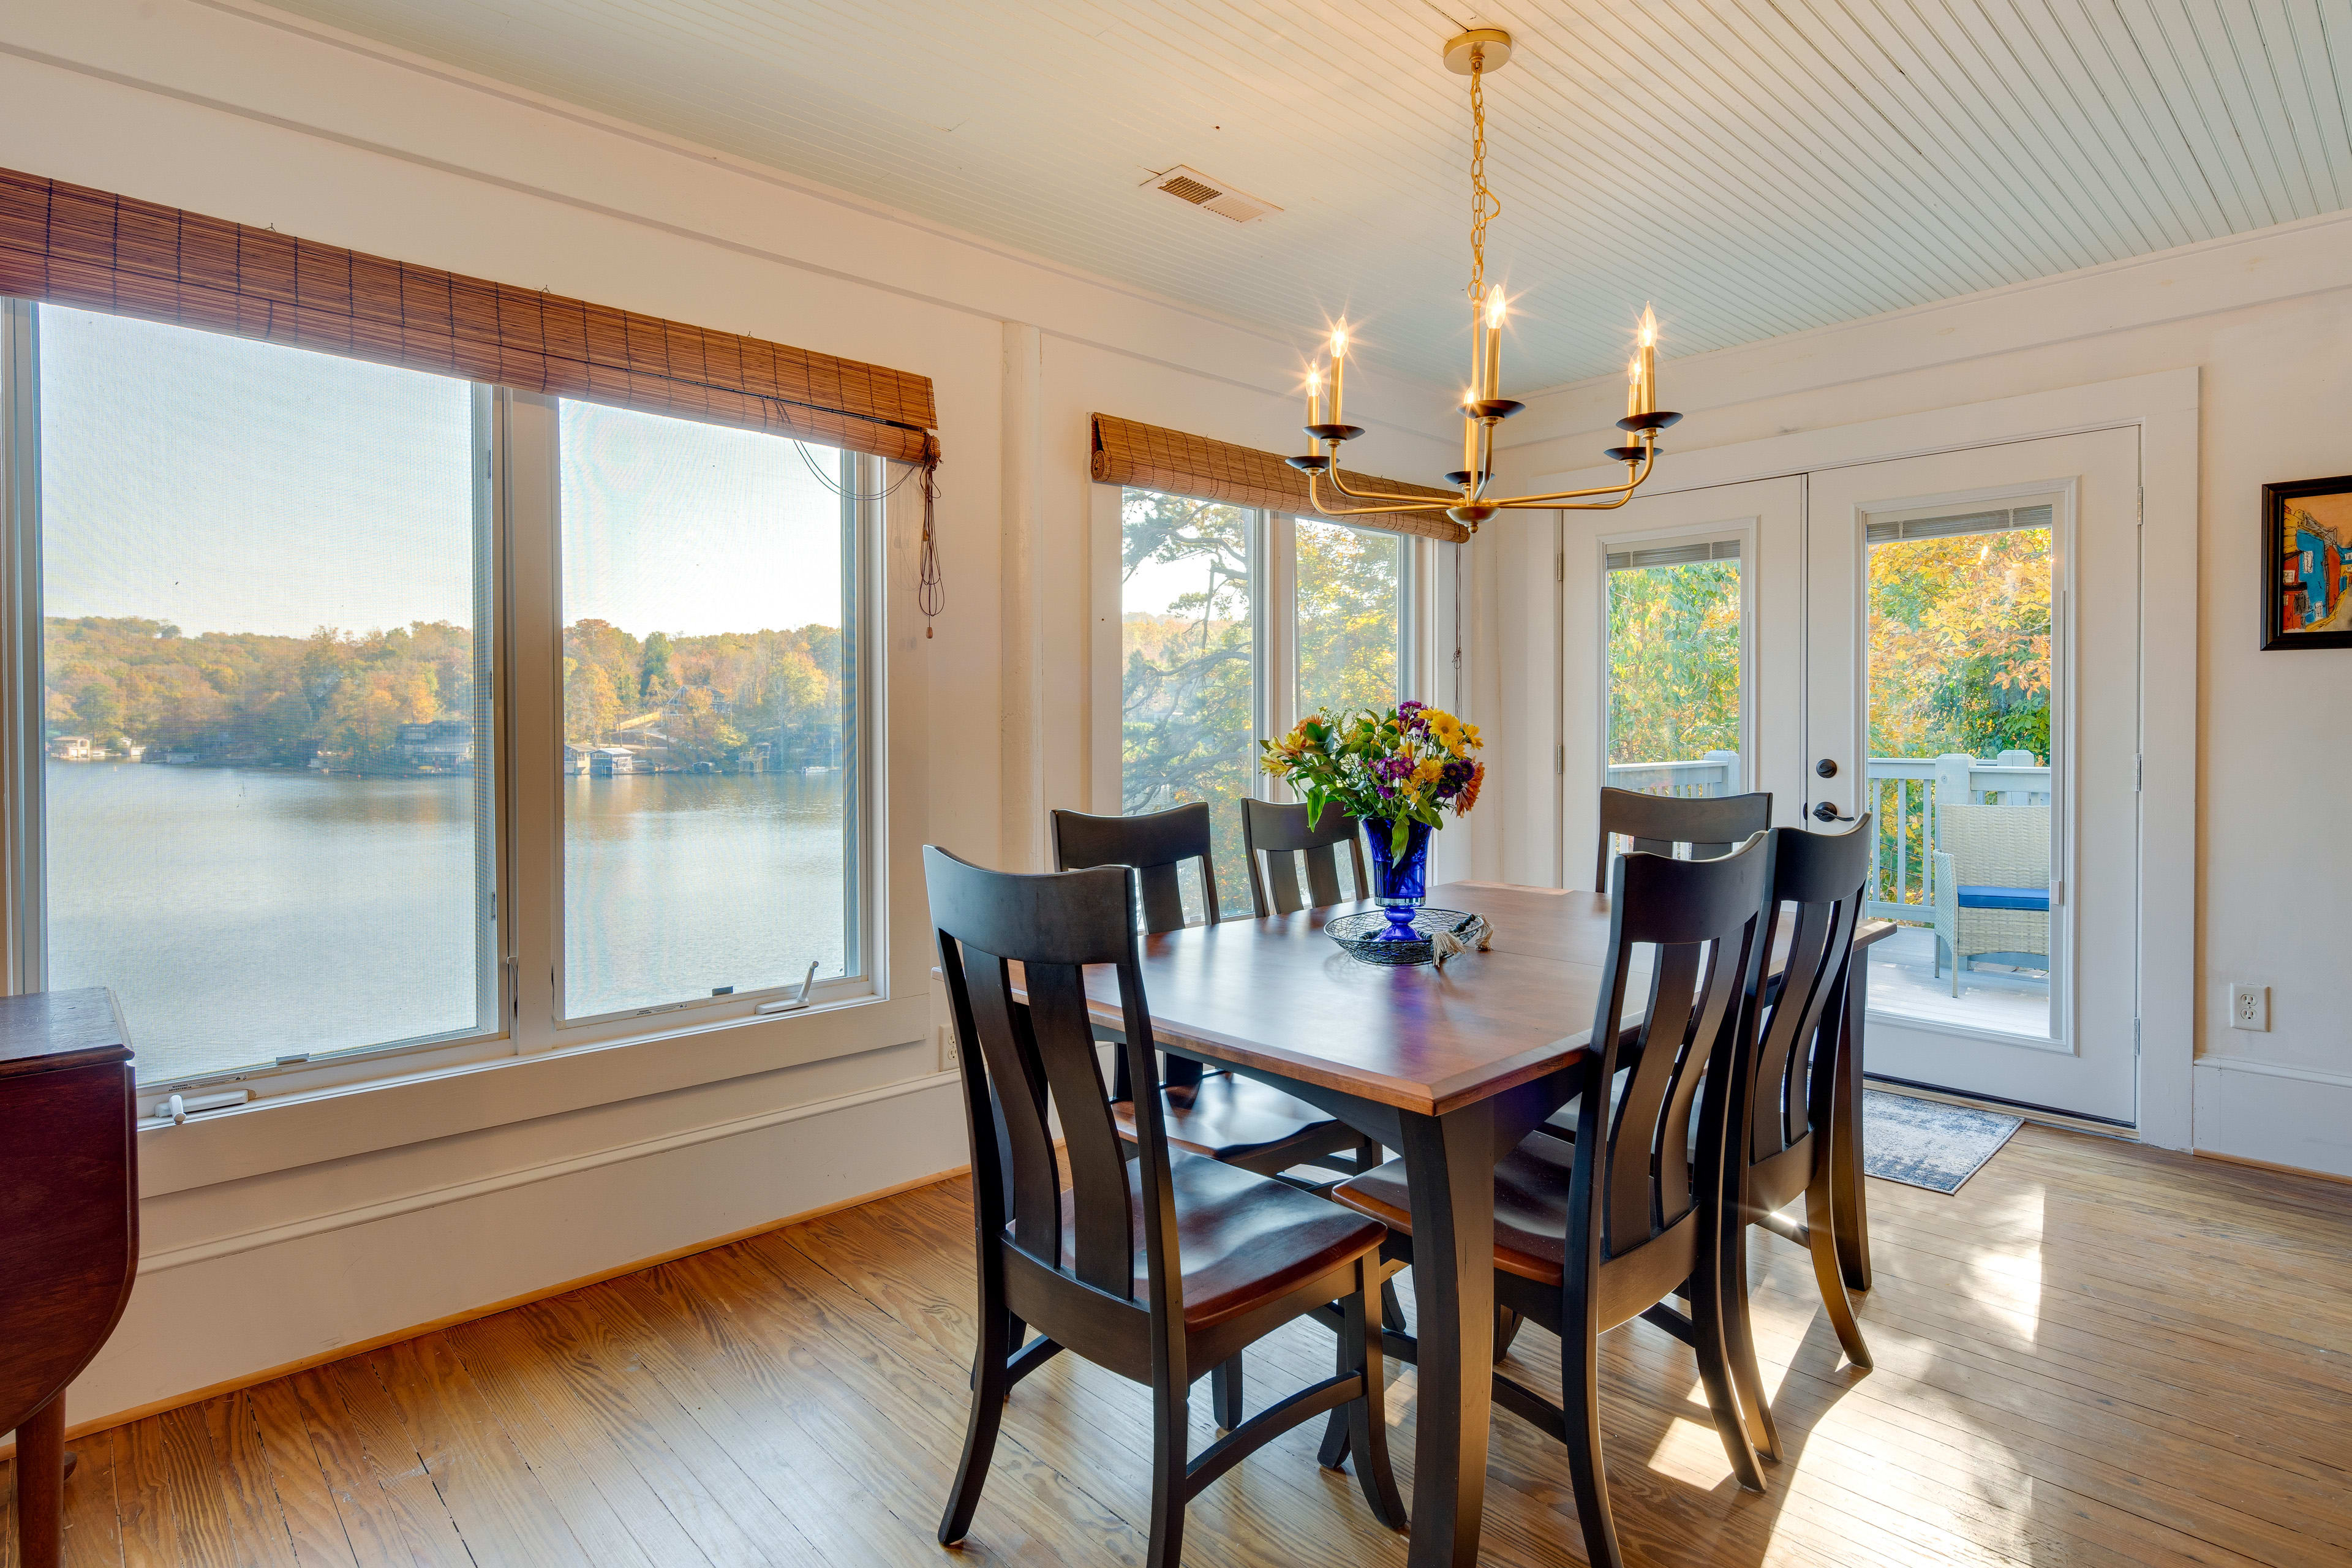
(1786, 1077)
(1151, 1276)
(1276, 838)
(1707, 825)
(1218, 1114)
(1591, 1234)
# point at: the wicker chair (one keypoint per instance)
(1993, 884)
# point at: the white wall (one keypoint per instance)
(2267, 321)
(278, 1232)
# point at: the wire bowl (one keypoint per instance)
(1359, 936)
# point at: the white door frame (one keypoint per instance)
(2163, 406)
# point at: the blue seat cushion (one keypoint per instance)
(1982, 896)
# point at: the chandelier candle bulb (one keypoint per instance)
(1338, 369)
(1469, 438)
(1649, 361)
(1314, 397)
(1633, 387)
(1493, 368)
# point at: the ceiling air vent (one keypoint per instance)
(1189, 184)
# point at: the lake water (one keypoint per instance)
(242, 914)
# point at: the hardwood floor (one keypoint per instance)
(2092, 1355)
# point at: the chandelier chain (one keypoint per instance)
(1483, 205)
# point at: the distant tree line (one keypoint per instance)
(255, 697)
(729, 700)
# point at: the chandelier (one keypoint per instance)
(1474, 54)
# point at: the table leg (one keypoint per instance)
(1449, 1166)
(1852, 1218)
(41, 1485)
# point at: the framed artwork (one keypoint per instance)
(2307, 563)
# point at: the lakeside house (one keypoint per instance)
(441, 743)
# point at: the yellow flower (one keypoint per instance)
(1426, 774)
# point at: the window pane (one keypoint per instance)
(1349, 583)
(710, 742)
(1673, 674)
(1960, 683)
(265, 644)
(1188, 695)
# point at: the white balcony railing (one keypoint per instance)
(1901, 795)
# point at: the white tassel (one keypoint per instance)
(1470, 936)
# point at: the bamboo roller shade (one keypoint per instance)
(1152, 458)
(72, 246)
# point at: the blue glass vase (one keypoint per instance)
(1400, 882)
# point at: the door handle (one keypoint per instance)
(1825, 812)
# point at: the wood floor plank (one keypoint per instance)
(496, 1502)
(618, 1518)
(93, 1522)
(304, 1494)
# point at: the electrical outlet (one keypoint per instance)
(2249, 1007)
(946, 1049)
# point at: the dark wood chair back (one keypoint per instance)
(1281, 836)
(1786, 1084)
(1709, 825)
(1818, 882)
(1157, 844)
(1042, 1054)
(1635, 1195)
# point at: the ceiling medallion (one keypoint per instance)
(1473, 54)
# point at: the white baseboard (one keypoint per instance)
(2274, 1113)
(216, 1314)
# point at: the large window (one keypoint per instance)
(709, 717)
(1351, 591)
(1188, 720)
(266, 692)
(1205, 590)
(1676, 656)
(353, 706)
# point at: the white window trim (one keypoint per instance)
(527, 1067)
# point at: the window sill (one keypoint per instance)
(335, 1122)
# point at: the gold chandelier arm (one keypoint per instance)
(1414, 503)
(1628, 485)
(1405, 504)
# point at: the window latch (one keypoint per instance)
(174, 1109)
(792, 1003)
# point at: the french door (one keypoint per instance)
(1948, 647)
(1971, 633)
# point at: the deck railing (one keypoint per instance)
(1901, 793)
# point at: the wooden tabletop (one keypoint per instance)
(1279, 995)
(53, 1029)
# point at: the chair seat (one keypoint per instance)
(1227, 1117)
(1985, 896)
(1530, 1205)
(1244, 1239)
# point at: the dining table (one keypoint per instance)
(1450, 1065)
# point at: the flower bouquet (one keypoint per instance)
(1398, 771)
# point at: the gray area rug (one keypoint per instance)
(1926, 1144)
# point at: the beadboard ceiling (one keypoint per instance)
(1756, 166)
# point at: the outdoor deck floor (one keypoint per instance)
(1903, 984)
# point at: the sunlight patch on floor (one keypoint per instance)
(2006, 1280)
